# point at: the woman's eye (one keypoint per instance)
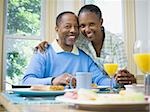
(82, 26)
(91, 24)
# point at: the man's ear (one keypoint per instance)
(56, 28)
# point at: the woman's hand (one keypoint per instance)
(125, 77)
(42, 46)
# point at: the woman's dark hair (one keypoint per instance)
(59, 17)
(91, 8)
(103, 30)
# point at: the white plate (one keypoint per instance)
(101, 87)
(100, 102)
(116, 106)
(29, 92)
(135, 88)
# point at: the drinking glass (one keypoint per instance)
(111, 69)
(142, 60)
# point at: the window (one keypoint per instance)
(111, 13)
(23, 31)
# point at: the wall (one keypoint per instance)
(142, 17)
(69, 5)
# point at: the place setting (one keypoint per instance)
(92, 97)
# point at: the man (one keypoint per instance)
(62, 58)
(100, 46)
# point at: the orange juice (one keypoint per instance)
(142, 60)
(110, 68)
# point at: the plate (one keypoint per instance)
(29, 92)
(101, 87)
(135, 88)
(100, 102)
(104, 105)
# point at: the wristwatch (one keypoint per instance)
(52, 80)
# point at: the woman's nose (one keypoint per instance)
(87, 28)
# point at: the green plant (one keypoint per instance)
(16, 64)
(23, 17)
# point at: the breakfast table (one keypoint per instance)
(15, 103)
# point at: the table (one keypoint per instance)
(2, 109)
(10, 107)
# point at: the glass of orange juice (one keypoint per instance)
(142, 60)
(111, 69)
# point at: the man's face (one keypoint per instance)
(90, 25)
(68, 30)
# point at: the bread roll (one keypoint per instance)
(47, 87)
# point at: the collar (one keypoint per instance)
(58, 49)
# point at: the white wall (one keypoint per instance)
(142, 8)
(69, 5)
(64, 5)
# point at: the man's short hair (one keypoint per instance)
(59, 17)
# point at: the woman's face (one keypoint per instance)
(90, 25)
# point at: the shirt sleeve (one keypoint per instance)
(120, 53)
(35, 73)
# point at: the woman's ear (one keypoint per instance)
(101, 21)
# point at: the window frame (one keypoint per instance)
(2, 10)
(129, 31)
(20, 37)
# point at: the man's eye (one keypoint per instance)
(67, 26)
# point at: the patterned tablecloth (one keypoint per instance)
(17, 99)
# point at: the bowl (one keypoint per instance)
(135, 88)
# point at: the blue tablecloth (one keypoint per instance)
(17, 99)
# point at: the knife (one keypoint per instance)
(21, 86)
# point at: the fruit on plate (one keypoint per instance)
(86, 94)
(81, 94)
(56, 87)
(71, 95)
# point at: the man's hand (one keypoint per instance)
(63, 79)
(42, 46)
(125, 77)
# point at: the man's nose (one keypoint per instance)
(72, 29)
